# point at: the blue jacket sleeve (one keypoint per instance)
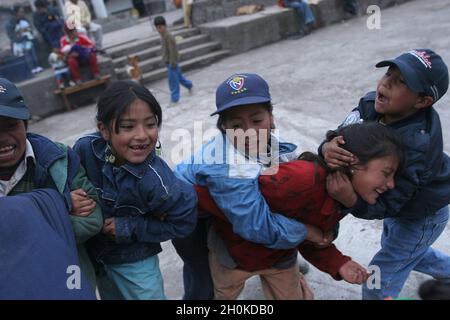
(243, 204)
(173, 215)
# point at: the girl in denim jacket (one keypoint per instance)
(143, 203)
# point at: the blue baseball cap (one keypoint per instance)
(241, 89)
(423, 70)
(11, 101)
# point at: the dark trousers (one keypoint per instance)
(193, 251)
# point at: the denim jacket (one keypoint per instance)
(148, 203)
(234, 187)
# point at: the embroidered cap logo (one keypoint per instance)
(236, 83)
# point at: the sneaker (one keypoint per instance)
(61, 86)
(72, 84)
(173, 104)
(38, 69)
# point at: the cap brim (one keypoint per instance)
(15, 113)
(240, 102)
(409, 74)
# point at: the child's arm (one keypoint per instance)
(334, 155)
(173, 214)
(207, 204)
(87, 226)
(172, 50)
(330, 260)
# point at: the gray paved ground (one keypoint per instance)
(314, 82)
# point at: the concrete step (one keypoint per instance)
(155, 51)
(190, 64)
(185, 54)
(138, 45)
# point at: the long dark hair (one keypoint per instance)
(367, 141)
(115, 100)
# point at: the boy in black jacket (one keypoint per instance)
(415, 211)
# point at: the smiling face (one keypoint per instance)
(374, 178)
(137, 135)
(13, 137)
(394, 99)
(255, 122)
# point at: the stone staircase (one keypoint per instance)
(195, 50)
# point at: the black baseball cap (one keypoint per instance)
(12, 104)
(423, 71)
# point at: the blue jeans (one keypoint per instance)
(303, 10)
(193, 251)
(140, 280)
(175, 79)
(406, 246)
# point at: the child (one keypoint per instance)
(305, 14)
(143, 202)
(56, 60)
(22, 39)
(243, 102)
(298, 190)
(30, 161)
(80, 50)
(170, 58)
(415, 212)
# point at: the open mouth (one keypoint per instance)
(7, 151)
(382, 98)
(139, 147)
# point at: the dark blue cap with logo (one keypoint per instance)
(241, 89)
(423, 71)
(11, 101)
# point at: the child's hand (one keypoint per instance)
(340, 188)
(109, 228)
(334, 155)
(82, 205)
(353, 272)
(316, 236)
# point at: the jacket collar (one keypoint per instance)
(103, 152)
(46, 152)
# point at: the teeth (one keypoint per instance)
(6, 149)
(141, 147)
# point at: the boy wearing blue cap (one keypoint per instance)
(29, 161)
(416, 211)
(229, 166)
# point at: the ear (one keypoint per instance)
(104, 131)
(423, 102)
